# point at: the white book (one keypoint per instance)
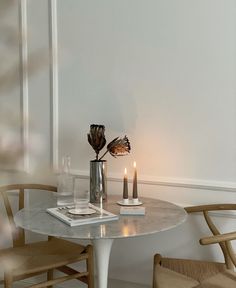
(99, 215)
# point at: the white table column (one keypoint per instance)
(102, 249)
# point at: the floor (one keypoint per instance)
(73, 284)
(119, 284)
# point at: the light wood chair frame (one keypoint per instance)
(18, 237)
(223, 239)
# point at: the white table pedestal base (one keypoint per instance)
(102, 249)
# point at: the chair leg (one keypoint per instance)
(90, 266)
(157, 261)
(8, 281)
(50, 276)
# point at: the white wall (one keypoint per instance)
(161, 72)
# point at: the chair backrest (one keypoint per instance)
(225, 246)
(18, 234)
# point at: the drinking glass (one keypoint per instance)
(81, 196)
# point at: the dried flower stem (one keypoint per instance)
(103, 155)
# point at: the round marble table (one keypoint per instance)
(159, 216)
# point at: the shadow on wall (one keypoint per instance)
(13, 114)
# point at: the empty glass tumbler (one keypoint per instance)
(81, 196)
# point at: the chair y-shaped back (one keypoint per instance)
(225, 245)
(18, 234)
(186, 273)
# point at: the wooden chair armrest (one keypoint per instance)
(212, 207)
(218, 238)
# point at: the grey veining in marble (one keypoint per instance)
(160, 216)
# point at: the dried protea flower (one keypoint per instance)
(118, 147)
(96, 138)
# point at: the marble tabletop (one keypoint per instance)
(160, 216)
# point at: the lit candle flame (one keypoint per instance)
(125, 171)
(134, 164)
